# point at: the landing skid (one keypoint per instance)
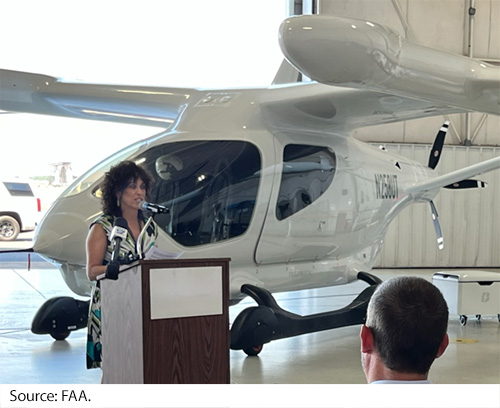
(258, 325)
(60, 316)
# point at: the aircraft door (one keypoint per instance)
(297, 226)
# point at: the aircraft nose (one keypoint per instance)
(62, 232)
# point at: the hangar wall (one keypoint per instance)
(470, 219)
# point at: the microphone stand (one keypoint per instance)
(139, 238)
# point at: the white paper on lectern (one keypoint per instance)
(185, 292)
(155, 253)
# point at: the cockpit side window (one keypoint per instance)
(307, 173)
(210, 188)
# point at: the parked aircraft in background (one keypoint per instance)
(270, 177)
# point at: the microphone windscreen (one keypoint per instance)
(121, 222)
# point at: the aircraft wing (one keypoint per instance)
(454, 176)
(306, 105)
(326, 108)
(366, 76)
(360, 54)
(140, 105)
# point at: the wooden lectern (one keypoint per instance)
(165, 322)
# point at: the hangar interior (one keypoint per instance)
(470, 221)
(328, 357)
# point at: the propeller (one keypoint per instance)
(438, 145)
(434, 157)
(437, 225)
(467, 184)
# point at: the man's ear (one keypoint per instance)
(366, 339)
(442, 347)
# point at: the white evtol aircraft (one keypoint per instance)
(270, 177)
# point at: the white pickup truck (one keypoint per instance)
(20, 210)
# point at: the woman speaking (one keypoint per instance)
(125, 186)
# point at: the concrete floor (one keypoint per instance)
(330, 357)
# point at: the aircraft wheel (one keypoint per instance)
(463, 320)
(60, 336)
(9, 228)
(253, 351)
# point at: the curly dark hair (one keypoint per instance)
(117, 179)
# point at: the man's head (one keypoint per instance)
(405, 327)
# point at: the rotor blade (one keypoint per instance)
(437, 225)
(467, 184)
(455, 176)
(438, 146)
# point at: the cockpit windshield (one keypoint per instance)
(210, 188)
(97, 172)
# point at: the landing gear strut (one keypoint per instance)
(261, 324)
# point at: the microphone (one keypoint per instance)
(118, 234)
(154, 208)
